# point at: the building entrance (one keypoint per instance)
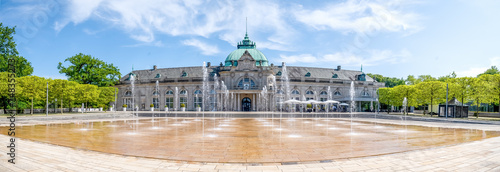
(246, 104)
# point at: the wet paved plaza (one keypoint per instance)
(248, 140)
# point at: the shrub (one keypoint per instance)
(183, 105)
(309, 105)
(124, 105)
(151, 105)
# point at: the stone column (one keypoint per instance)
(238, 103)
(253, 102)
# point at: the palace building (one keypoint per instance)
(245, 81)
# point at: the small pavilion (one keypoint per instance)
(455, 109)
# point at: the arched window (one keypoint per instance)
(197, 92)
(246, 83)
(183, 92)
(155, 93)
(169, 92)
(279, 91)
(295, 92)
(323, 93)
(309, 92)
(337, 93)
(128, 93)
(308, 74)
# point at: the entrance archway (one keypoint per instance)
(246, 104)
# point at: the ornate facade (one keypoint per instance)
(244, 74)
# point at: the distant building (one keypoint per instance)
(245, 72)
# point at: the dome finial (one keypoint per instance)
(246, 26)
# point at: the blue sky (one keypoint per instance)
(394, 38)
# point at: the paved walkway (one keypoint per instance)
(483, 155)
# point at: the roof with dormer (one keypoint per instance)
(246, 45)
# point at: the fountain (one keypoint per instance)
(263, 97)
(176, 99)
(353, 104)
(215, 98)
(132, 82)
(285, 83)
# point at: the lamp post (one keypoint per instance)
(446, 101)
(47, 103)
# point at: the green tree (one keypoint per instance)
(494, 82)
(411, 80)
(34, 88)
(70, 93)
(389, 82)
(402, 91)
(106, 96)
(387, 96)
(431, 92)
(57, 91)
(444, 78)
(491, 71)
(4, 93)
(480, 91)
(87, 93)
(459, 88)
(8, 50)
(86, 69)
(425, 78)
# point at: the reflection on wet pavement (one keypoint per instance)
(246, 140)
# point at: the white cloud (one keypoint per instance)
(474, 71)
(360, 16)
(205, 48)
(374, 57)
(79, 11)
(142, 20)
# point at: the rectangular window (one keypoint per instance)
(213, 103)
(128, 102)
(183, 100)
(197, 101)
(156, 103)
(169, 102)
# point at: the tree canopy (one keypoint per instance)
(491, 71)
(389, 82)
(8, 50)
(85, 69)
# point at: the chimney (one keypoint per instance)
(154, 67)
(338, 67)
(208, 64)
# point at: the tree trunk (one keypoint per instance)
(431, 107)
(70, 107)
(477, 108)
(4, 102)
(61, 106)
(32, 106)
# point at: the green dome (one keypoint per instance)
(246, 45)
